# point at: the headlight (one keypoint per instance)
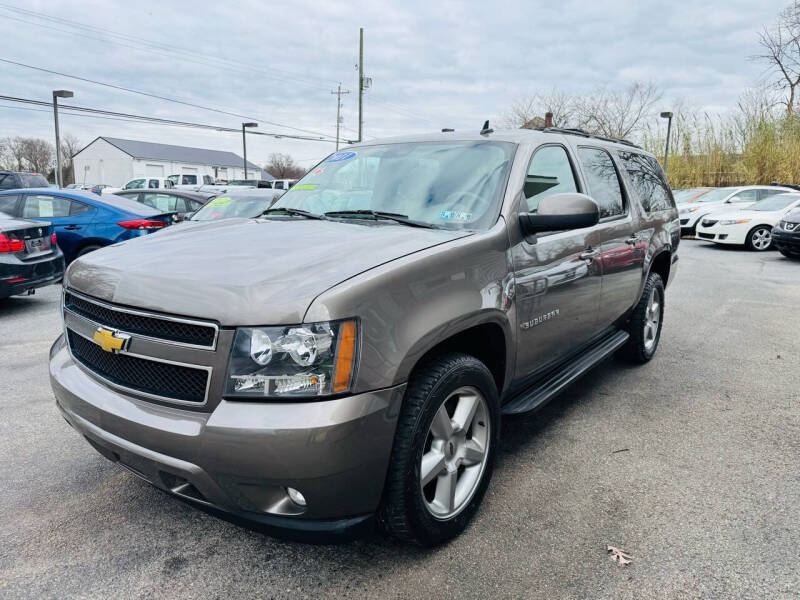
(316, 359)
(688, 209)
(734, 222)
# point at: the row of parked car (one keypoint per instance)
(44, 229)
(758, 217)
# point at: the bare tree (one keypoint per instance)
(15, 153)
(39, 154)
(70, 145)
(617, 114)
(282, 166)
(529, 112)
(781, 51)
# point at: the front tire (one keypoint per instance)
(444, 448)
(646, 321)
(759, 238)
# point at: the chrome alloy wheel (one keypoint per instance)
(455, 454)
(761, 238)
(652, 319)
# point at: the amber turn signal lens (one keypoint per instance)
(345, 357)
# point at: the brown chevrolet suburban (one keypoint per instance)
(345, 358)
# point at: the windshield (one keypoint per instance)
(228, 206)
(777, 202)
(455, 185)
(716, 195)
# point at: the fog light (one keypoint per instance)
(296, 496)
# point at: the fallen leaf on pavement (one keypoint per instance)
(619, 556)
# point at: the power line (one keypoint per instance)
(158, 120)
(156, 96)
(154, 46)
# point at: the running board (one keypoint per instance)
(544, 390)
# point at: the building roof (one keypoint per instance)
(184, 154)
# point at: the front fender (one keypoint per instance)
(408, 306)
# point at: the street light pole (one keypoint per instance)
(244, 143)
(56, 95)
(668, 116)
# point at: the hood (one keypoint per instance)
(243, 271)
(743, 214)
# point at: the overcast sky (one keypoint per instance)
(433, 64)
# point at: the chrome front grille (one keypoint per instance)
(163, 327)
(163, 358)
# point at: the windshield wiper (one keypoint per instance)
(295, 212)
(378, 214)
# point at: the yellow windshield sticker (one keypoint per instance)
(221, 201)
(305, 186)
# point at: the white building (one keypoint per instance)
(113, 161)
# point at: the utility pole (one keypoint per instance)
(244, 144)
(360, 79)
(339, 93)
(56, 95)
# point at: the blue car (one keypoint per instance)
(84, 221)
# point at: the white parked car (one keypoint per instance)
(190, 180)
(690, 213)
(141, 183)
(752, 226)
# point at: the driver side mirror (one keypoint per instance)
(561, 212)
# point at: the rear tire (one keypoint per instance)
(645, 323)
(444, 449)
(759, 238)
(86, 250)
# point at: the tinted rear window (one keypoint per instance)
(33, 180)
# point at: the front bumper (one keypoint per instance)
(240, 457)
(786, 240)
(18, 276)
(722, 234)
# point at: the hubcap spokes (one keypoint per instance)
(762, 239)
(652, 319)
(455, 452)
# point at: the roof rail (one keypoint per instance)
(586, 134)
(793, 186)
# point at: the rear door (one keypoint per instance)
(623, 244)
(71, 219)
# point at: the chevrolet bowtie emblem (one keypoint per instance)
(110, 340)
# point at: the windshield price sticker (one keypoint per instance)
(305, 186)
(454, 215)
(221, 201)
(340, 156)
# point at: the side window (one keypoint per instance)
(766, 193)
(602, 181)
(8, 204)
(189, 179)
(744, 196)
(208, 180)
(135, 184)
(550, 172)
(180, 205)
(8, 181)
(78, 208)
(41, 206)
(161, 202)
(278, 185)
(647, 181)
(152, 183)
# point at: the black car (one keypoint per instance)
(786, 235)
(29, 256)
(177, 201)
(12, 180)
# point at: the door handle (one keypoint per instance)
(589, 254)
(72, 227)
(631, 241)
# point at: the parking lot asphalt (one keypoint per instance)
(690, 464)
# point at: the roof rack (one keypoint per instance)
(586, 134)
